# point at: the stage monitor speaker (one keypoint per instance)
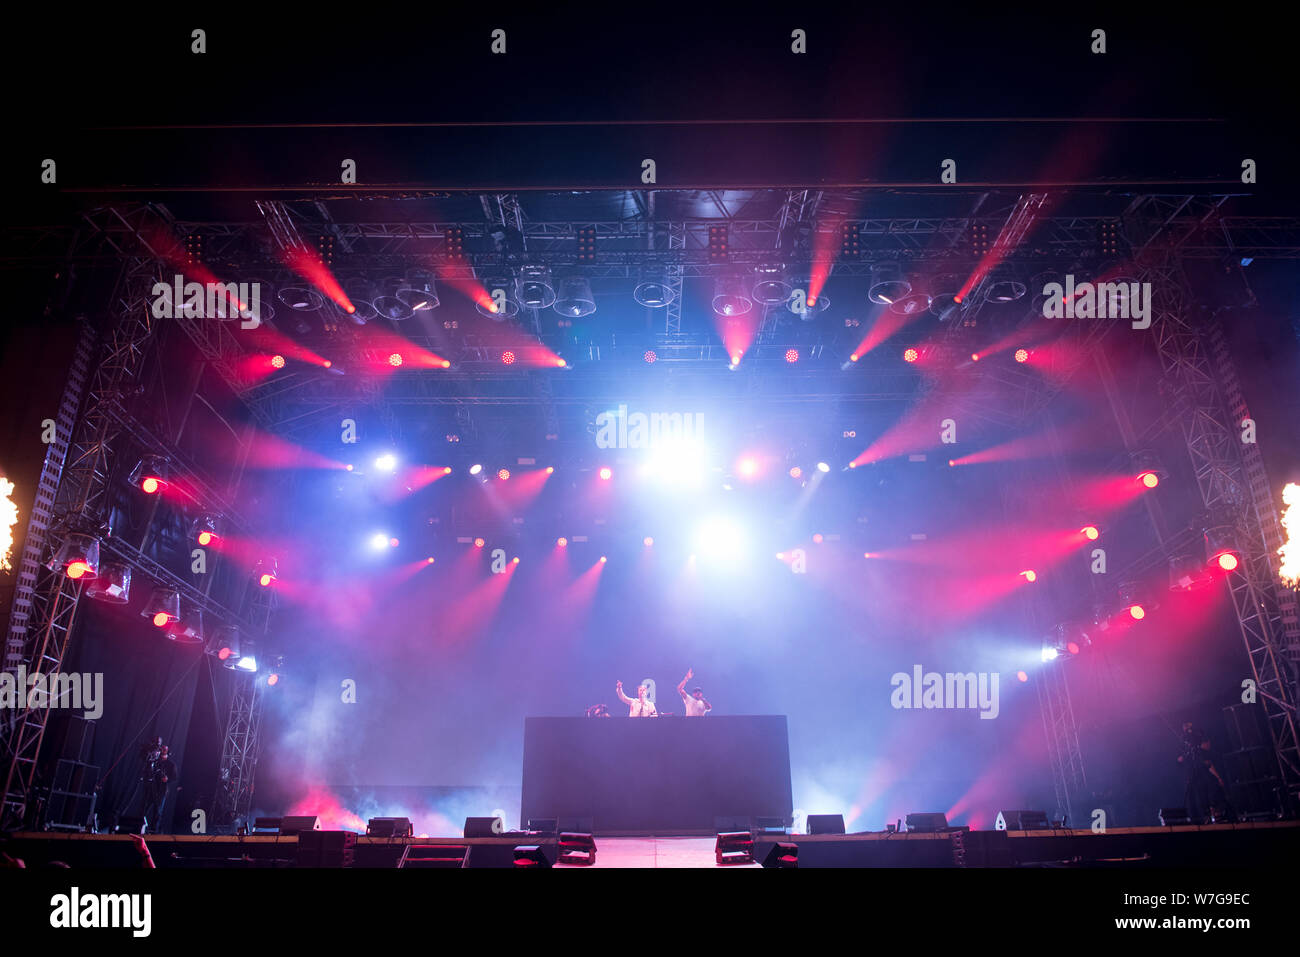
(389, 827)
(825, 823)
(296, 824)
(484, 827)
(1172, 816)
(129, 825)
(576, 825)
(933, 822)
(531, 855)
(543, 825)
(782, 854)
(1021, 821)
(265, 824)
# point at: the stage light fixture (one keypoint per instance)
(149, 474)
(574, 298)
(731, 298)
(910, 355)
(475, 469)
(792, 356)
(503, 474)
(1030, 575)
(508, 358)
(887, 284)
(1022, 355)
(534, 288)
(823, 467)
(395, 359)
(247, 657)
(379, 541)
(189, 630)
(453, 244)
(224, 646)
(748, 467)
(112, 584)
(719, 244)
(1003, 285)
(850, 241)
(389, 304)
(204, 529)
(498, 289)
(562, 542)
(649, 356)
(1221, 550)
(654, 291)
(606, 473)
(479, 543)
(795, 471)
(647, 541)
(1149, 479)
(419, 291)
(386, 462)
(277, 362)
(163, 606)
(770, 285)
(301, 298)
(265, 571)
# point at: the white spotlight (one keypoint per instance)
(823, 467)
(721, 539)
(386, 462)
(378, 541)
(475, 469)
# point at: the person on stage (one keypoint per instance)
(696, 706)
(159, 773)
(639, 707)
(1205, 794)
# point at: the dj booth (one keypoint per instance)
(666, 775)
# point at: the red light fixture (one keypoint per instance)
(1030, 575)
(1149, 479)
(479, 543)
(1137, 612)
(606, 473)
(791, 355)
(562, 542)
(649, 356)
(277, 362)
(265, 579)
(1090, 532)
(910, 355)
(160, 619)
(503, 474)
(77, 569)
(507, 358)
(648, 541)
(1022, 355)
(795, 472)
(395, 359)
(150, 484)
(1225, 560)
(974, 357)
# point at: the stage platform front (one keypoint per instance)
(1269, 844)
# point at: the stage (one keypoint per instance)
(1263, 844)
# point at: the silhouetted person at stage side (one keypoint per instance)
(599, 711)
(159, 774)
(639, 707)
(696, 706)
(1205, 793)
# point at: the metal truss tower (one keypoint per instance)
(1208, 404)
(51, 605)
(234, 794)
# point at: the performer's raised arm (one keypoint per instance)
(618, 687)
(681, 688)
